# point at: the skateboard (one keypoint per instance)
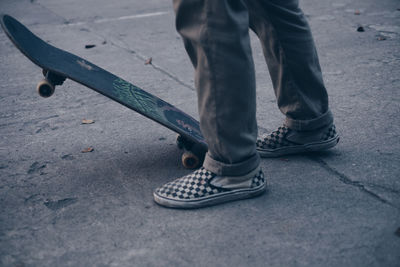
(59, 65)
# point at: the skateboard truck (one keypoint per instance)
(193, 155)
(47, 86)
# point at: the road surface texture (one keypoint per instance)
(62, 207)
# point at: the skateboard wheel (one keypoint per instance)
(45, 88)
(190, 160)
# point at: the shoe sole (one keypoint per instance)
(211, 200)
(310, 147)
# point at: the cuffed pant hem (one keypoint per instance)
(235, 169)
(310, 125)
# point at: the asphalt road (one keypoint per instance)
(62, 207)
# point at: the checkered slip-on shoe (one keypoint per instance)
(285, 141)
(203, 188)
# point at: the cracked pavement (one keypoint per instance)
(61, 207)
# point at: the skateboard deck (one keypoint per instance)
(58, 65)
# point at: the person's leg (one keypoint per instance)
(294, 67)
(216, 37)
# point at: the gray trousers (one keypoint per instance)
(216, 38)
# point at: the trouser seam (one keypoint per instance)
(281, 51)
(212, 71)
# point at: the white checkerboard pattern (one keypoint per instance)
(277, 139)
(197, 185)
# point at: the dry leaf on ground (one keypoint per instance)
(89, 149)
(85, 121)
